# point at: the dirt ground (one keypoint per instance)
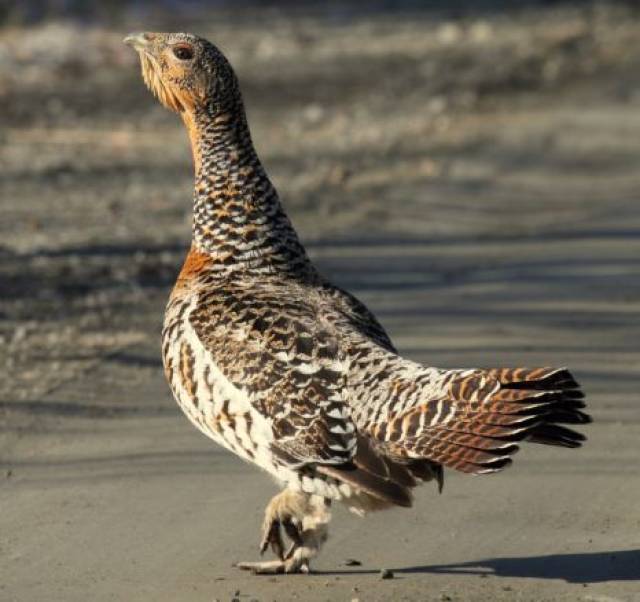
(471, 175)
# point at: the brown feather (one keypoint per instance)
(487, 414)
(383, 489)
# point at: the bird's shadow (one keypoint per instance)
(593, 567)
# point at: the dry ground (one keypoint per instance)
(473, 179)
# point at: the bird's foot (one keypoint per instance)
(271, 536)
(282, 513)
(275, 567)
(304, 519)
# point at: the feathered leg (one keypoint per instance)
(305, 519)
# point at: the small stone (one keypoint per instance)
(437, 105)
(386, 574)
(449, 33)
(480, 32)
(338, 175)
(352, 562)
(313, 113)
(19, 334)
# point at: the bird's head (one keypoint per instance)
(187, 73)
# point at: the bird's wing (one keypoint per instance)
(356, 316)
(279, 352)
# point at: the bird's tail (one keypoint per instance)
(485, 414)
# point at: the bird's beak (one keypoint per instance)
(139, 40)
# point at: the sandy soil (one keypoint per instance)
(473, 179)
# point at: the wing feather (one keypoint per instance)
(288, 363)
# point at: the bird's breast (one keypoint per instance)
(213, 404)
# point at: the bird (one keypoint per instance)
(268, 358)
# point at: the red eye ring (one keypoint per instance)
(183, 52)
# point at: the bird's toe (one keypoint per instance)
(271, 536)
(275, 567)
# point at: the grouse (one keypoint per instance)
(288, 371)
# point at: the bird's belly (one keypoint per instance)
(211, 402)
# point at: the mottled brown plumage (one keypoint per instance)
(272, 361)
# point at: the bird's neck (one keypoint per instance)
(237, 216)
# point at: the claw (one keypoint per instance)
(304, 521)
(274, 567)
(292, 529)
(293, 532)
(270, 567)
(271, 535)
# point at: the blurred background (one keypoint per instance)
(470, 169)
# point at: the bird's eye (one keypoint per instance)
(183, 52)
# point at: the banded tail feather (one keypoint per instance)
(487, 414)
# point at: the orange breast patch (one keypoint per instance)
(195, 263)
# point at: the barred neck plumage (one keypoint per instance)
(237, 215)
